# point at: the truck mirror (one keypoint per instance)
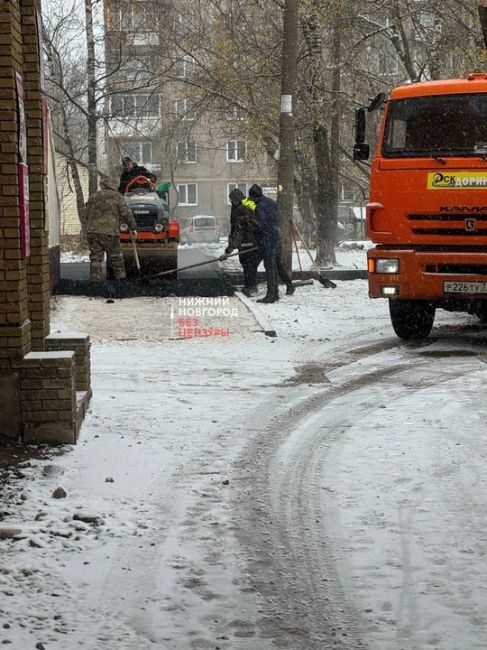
(359, 125)
(376, 102)
(361, 151)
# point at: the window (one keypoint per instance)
(133, 16)
(183, 24)
(183, 66)
(235, 113)
(346, 192)
(138, 69)
(422, 126)
(135, 105)
(236, 150)
(187, 152)
(388, 62)
(188, 194)
(236, 186)
(426, 19)
(184, 109)
(140, 152)
(127, 105)
(149, 105)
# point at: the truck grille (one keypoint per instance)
(145, 221)
(458, 269)
(459, 224)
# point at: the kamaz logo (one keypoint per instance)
(470, 225)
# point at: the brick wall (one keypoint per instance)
(15, 326)
(38, 263)
(38, 398)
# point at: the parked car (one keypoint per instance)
(200, 229)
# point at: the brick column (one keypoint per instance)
(38, 397)
(15, 327)
(49, 408)
(80, 343)
(38, 263)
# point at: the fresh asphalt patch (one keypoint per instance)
(147, 287)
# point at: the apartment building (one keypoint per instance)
(155, 114)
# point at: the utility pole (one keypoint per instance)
(285, 176)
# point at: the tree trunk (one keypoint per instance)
(333, 180)
(91, 99)
(325, 139)
(323, 200)
(285, 180)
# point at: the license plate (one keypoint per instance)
(465, 287)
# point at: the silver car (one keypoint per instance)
(200, 229)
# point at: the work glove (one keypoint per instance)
(222, 257)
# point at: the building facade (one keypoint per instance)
(155, 115)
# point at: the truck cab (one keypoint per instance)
(427, 210)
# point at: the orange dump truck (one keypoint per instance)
(427, 212)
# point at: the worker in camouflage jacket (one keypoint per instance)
(105, 210)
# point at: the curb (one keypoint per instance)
(264, 324)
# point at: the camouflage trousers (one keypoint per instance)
(100, 244)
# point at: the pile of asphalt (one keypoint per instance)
(141, 287)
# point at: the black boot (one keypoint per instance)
(290, 289)
(268, 299)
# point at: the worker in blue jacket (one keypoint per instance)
(267, 216)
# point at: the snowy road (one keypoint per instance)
(325, 489)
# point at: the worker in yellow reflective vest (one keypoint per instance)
(249, 261)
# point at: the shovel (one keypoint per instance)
(136, 254)
(324, 281)
(212, 261)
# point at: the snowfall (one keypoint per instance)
(324, 488)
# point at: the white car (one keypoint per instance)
(200, 229)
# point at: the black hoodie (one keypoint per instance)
(267, 216)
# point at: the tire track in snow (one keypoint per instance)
(285, 543)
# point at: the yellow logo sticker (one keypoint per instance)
(457, 180)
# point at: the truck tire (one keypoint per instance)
(411, 319)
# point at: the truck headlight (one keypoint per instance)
(158, 227)
(124, 227)
(386, 265)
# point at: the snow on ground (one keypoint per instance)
(349, 254)
(150, 547)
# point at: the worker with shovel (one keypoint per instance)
(245, 237)
(105, 210)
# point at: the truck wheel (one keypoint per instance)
(411, 319)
